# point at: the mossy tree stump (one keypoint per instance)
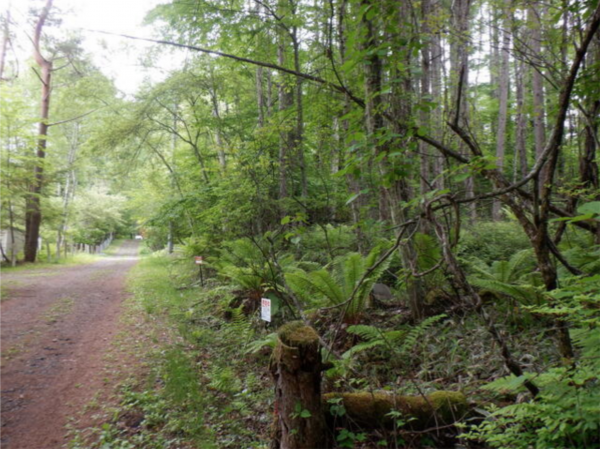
(296, 367)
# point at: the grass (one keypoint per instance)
(69, 261)
(62, 307)
(201, 389)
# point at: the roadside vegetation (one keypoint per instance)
(208, 382)
(413, 186)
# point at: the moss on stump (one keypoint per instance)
(296, 334)
(372, 409)
(296, 368)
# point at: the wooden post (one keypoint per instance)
(296, 368)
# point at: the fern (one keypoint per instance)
(428, 251)
(507, 277)
(239, 328)
(402, 340)
(338, 285)
(255, 346)
(416, 332)
(368, 333)
(524, 294)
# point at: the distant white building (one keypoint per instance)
(7, 243)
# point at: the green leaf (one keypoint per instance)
(305, 414)
(461, 177)
(590, 208)
(353, 198)
(582, 218)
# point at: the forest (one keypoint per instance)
(408, 189)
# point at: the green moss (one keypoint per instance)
(296, 334)
(372, 409)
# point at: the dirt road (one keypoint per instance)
(56, 326)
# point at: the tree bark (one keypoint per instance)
(296, 368)
(33, 214)
(5, 40)
(425, 159)
(69, 189)
(286, 140)
(503, 77)
(521, 132)
(537, 87)
(459, 55)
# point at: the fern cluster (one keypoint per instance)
(340, 284)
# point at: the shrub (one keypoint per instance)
(492, 241)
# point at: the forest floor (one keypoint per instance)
(58, 331)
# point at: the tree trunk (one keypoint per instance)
(424, 149)
(5, 39)
(217, 116)
(296, 368)
(286, 140)
(437, 120)
(537, 85)
(503, 106)
(459, 61)
(69, 189)
(260, 97)
(521, 134)
(33, 212)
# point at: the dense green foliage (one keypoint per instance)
(445, 153)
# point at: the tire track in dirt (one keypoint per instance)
(55, 331)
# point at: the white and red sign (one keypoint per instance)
(265, 309)
(199, 260)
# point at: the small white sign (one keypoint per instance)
(199, 260)
(265, 309)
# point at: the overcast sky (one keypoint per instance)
(118, 57)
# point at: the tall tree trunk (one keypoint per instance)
(218, 136)
(5, 39)
(425, 117)
(437, 115)
(459, 61)
(537, 85)
(260, 97)
(503, 77)
(69, 189)
(521, 136)
(286, 140)
(33, 212)
(299, 132)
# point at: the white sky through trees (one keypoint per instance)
(117, 57)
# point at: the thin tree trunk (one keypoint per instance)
(436, 92)
(11, 224)
(287, 138)
(503, 106)
(260, 98)
(537, 84)
(5, 39)
(459, 56)
(299, 134)
(217, 117)
(69, 189)
(521, 134)
(424, 149)
(170, 236)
